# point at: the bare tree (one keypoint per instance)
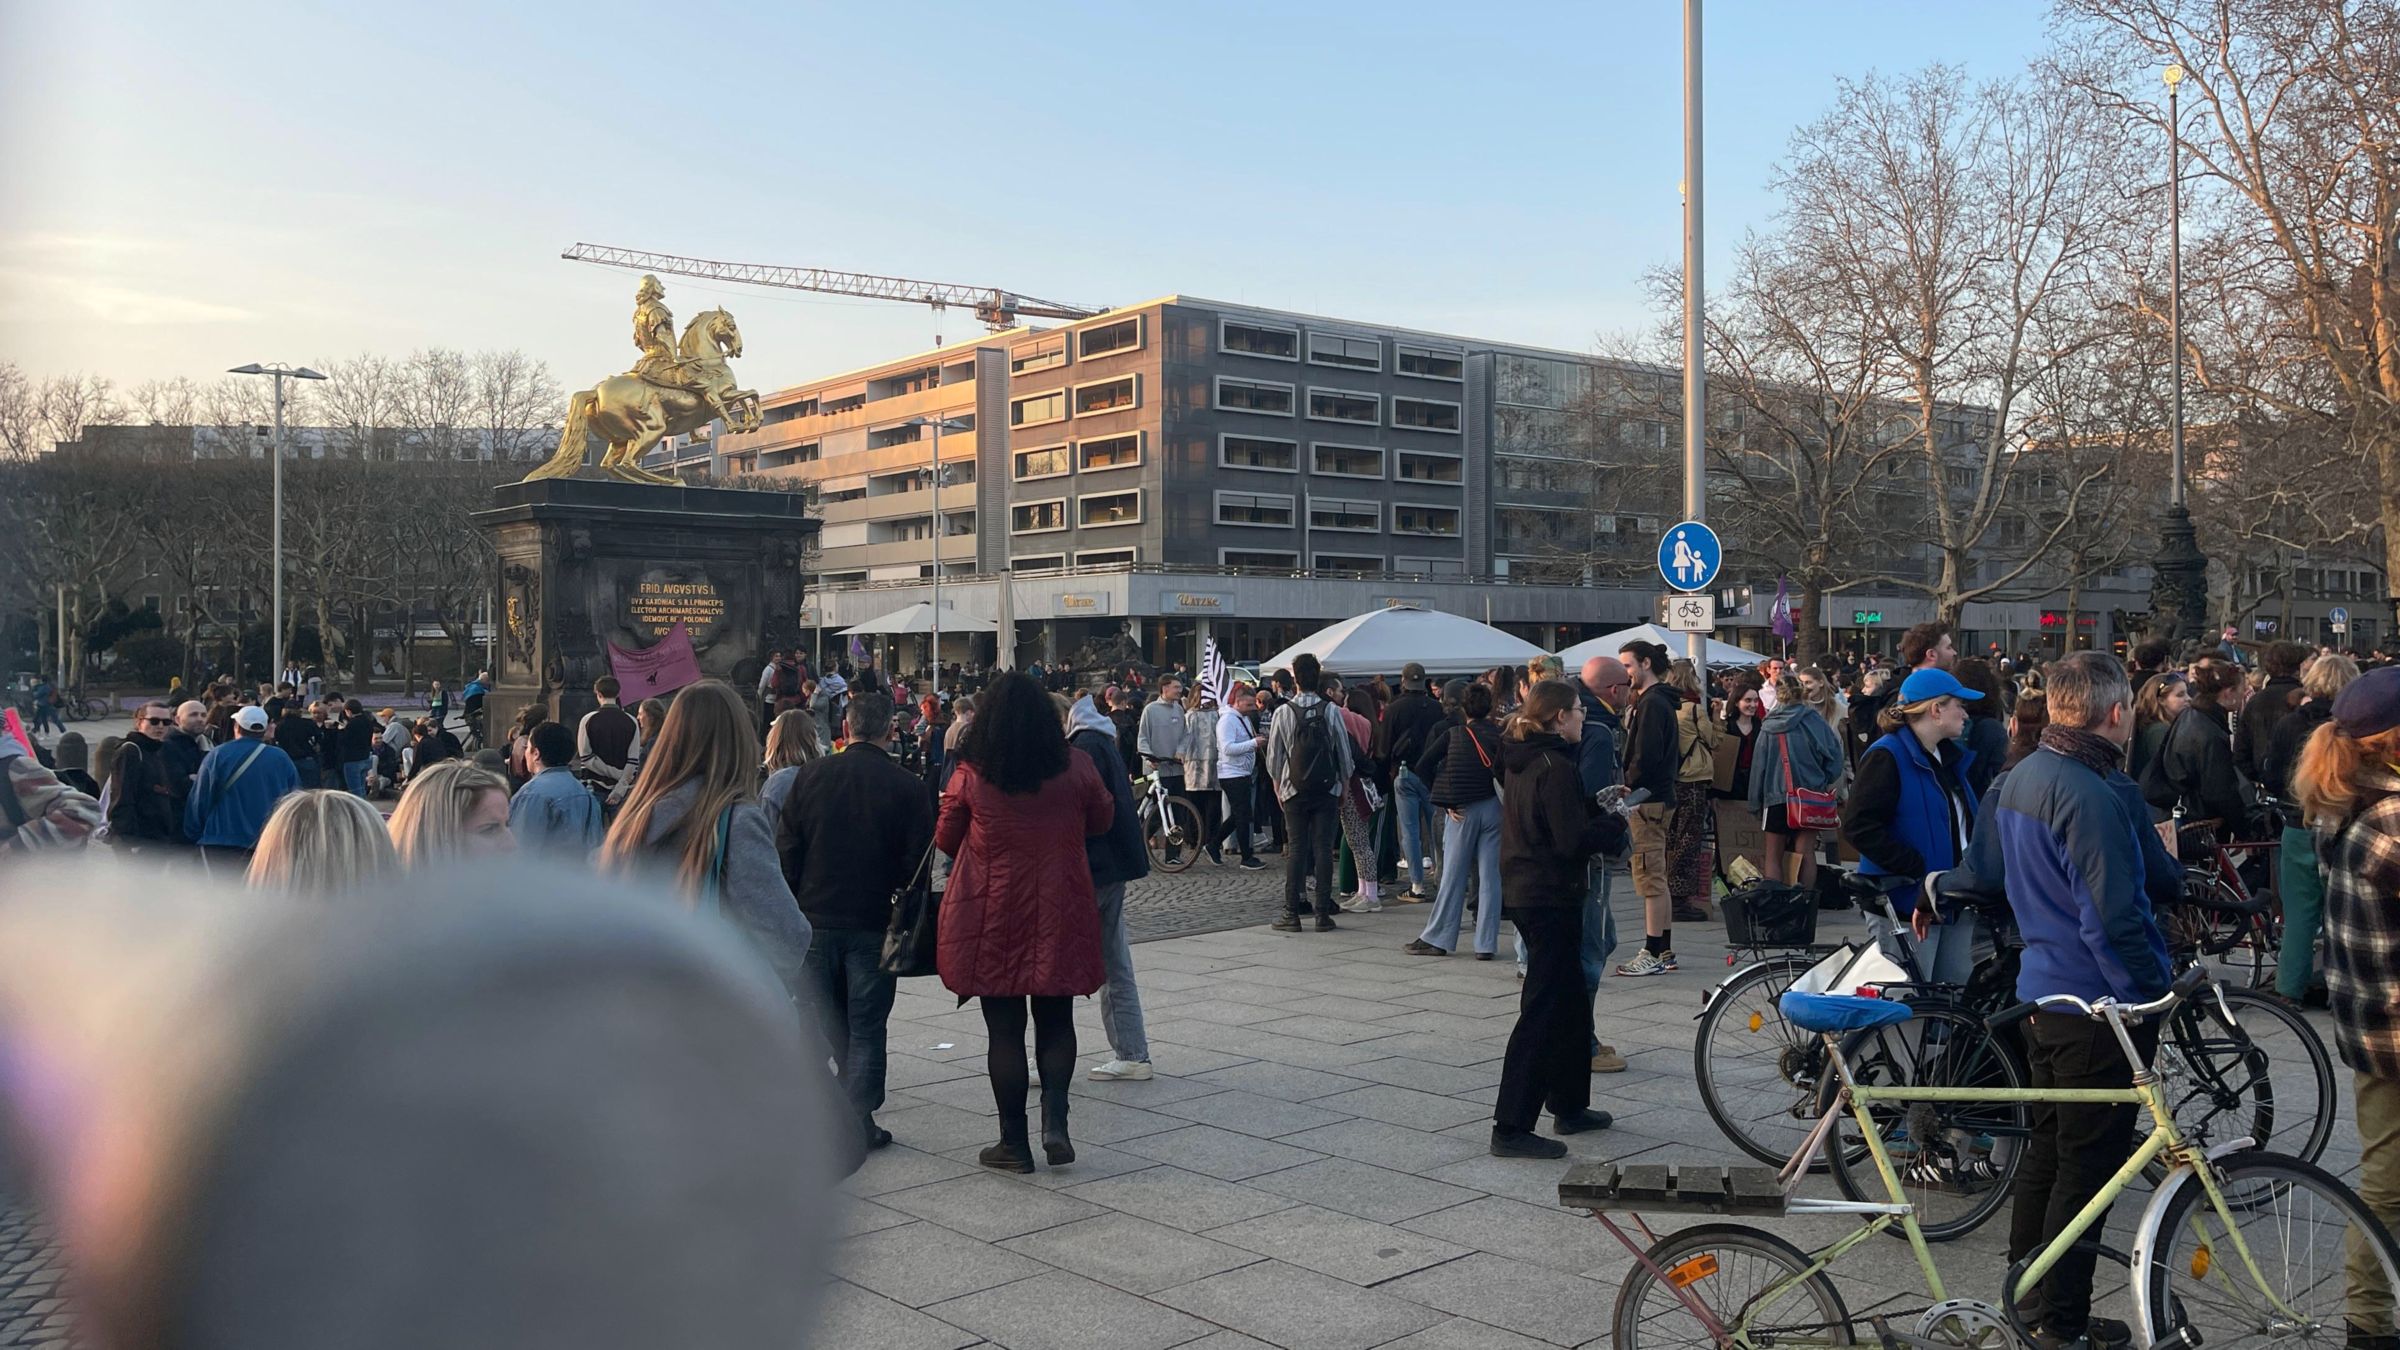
(436, 397)
(516, 405)
(360, 402)
(21, 420)
(2292, 116)
(72, 402)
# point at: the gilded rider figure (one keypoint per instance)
(654, 334)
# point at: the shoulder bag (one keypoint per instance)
(913, 937)
(1804, 808)
(1499, 788)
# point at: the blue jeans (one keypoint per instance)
(854, 1001)
(1470, 842)
(1120, 1002)
(308, 770)
(354, 776)
(1417, 815)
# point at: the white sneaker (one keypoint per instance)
(1122, 1070)
(1647, 963)
(1357, 904)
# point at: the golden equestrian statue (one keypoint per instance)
(669, 391)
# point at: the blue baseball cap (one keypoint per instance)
(1932, 684)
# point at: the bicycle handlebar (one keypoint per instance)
(2190, 982)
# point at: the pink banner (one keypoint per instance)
(652, 671)
(16, 727)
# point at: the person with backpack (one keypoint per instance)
(240, 782)
(1308, 752)
(144, 807)
(1409, 722)
(1116, 858)
(1462, 766)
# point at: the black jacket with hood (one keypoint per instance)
(1549, 827)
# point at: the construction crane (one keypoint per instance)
(998, 309)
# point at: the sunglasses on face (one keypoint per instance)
(158, 721)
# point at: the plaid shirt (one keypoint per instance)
(2362, 929)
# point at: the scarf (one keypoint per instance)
(2087, 748)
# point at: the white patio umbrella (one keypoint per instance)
(917, 620)
(1609, 644)
(1380, 643)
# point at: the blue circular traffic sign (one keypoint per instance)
(1689, 556)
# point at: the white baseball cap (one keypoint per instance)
(251, 719)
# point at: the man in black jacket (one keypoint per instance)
(855, 829)
(1116, 857)
(2254, 734)
(1651, 768)
(1407, 724)
(146, 812)
(183, 749)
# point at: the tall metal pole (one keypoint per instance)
(2175, 273)
(1695, 361)
(278, 452)
(934, 653)
(59, 687)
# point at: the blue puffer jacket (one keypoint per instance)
(1117, 855)
(1898, 813)
(2075, 853)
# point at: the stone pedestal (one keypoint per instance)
(2179, 582)
(587, 562)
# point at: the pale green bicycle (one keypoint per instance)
(2236, 1247)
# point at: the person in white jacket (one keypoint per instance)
(1238, 742)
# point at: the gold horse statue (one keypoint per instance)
(630, 413)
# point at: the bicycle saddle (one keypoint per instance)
(1840, 1012)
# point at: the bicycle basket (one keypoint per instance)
(1770, 914)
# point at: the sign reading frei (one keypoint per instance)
(1689, 613)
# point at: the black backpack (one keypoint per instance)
(1315, 769)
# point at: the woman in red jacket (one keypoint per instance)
(1020, 921)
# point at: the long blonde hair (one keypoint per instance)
(430, 824)
(707, 738)
(321, 843)
(792, 740)
(2327, 778)
(1545, 703)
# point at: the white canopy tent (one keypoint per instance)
(917, 620)
(1609, 644)
(1381, 642)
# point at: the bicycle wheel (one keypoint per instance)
(1725, 1267)
(97, 709)
(2266, 1076)
(1955, 1159)
(2230, 934)
(1758, 1073)
(1172, 835)
(2309, 1237)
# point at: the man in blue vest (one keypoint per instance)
(239, 784)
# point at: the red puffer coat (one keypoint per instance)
(1020, 916)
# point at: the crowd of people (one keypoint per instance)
(2066, 788)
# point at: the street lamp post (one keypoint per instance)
(2179, 585)
(933, 651)
(280, 374)
(1695, 352)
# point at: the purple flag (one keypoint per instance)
(1782, 618)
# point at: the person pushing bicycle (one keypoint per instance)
(2069, 835)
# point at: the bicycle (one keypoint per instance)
(2241, 1065)
(1170, 825)
(2223, 1219)
(2222, 917)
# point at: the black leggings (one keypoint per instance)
(1053, 1049)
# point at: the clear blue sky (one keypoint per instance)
(191, 186)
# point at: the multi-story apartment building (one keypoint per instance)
(1186, 466)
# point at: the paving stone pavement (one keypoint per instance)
(1308, 1171)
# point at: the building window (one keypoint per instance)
(1108, 395)
(1262, 559)
(1045, 353)
(1430, 466)
(1035, 410)
(1104, 557)
(1252, 339)
(1047, 462)
(1256, 396)
(1410, 518)
(1345, 405)
(1336, 513)
(1258, 452)
(1349, 562)
(1429, 363)
(1424, 414)
(1263, 510)
(1109, 452)
(1430, 567)
(1109, 338)
(1038, 517)
(1040, 562)
(1115, 508)
(1345, 461)
(1332, 349)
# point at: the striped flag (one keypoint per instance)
(1214, 677)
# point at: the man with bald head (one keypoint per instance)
(183, 748)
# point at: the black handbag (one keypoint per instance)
(912, 938)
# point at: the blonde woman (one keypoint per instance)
(791, 742)
(321, 843)
(695, 809)
(455, 809)
(1689, 864)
